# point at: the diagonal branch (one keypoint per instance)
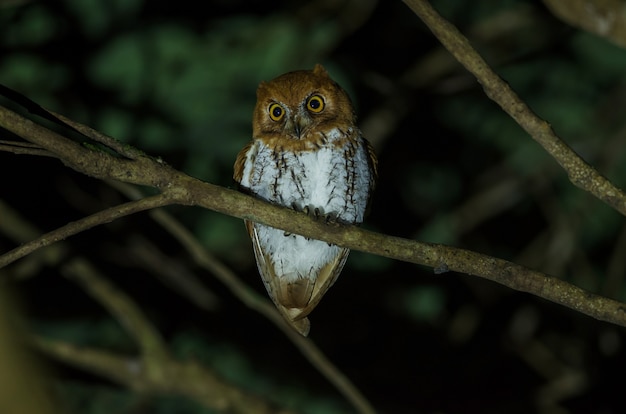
(579, 172)
(24, 148)
(265, 308)
(182, 189)
(123, 309)
(183, 378)
(75, 227)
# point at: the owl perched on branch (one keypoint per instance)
(307, 154)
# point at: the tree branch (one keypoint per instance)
(154, 370)
(263, 306)
(182, 378)
(70, 229)
(579, 172)
(23, 148)
(138, 327)
(183, 189)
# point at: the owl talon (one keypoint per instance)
(330, 218)
(295, 206)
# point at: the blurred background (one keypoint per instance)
(177, 79)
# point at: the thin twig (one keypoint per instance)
(75, 227)
(154, 370)
(119, 147)
(123, 309)
(579, 172)
(24, 148)
(251, 299)
(189, 378)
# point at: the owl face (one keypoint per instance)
(292, 105)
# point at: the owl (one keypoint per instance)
(307, 154)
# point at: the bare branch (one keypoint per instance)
(579, 172)
(137, 326)
(143, 170)
(123, 309)
(183, 189)
(24, 148)
(183, 378)
(262, 305)
(75, 227)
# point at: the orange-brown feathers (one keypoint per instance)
(308, 154)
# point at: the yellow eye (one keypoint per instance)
(315, 104)
(276, 112)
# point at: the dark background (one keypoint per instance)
(177, 79)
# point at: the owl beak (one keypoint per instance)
(297, 125)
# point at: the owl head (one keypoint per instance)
(297, 104)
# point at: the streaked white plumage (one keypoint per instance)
(307, 154)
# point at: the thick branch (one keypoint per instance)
(182, 189)
(142, 170)
(265, 308)
(127, 313)
(580, 173)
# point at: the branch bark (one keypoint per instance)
(154, 358)
(580, 173)
(182, 189)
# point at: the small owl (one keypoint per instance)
(307, 154)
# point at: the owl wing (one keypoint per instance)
(295, 300)
(266, 267)
(240, 162)
(326, 277)
(271, 282)
(373, 162)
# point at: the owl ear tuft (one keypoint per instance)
(262, 86)
(319, 70)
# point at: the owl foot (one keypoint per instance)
(331, 218)
(318, 214)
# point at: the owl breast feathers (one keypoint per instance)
(308, 154)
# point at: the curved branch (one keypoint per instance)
(124, 310)
(579, 172)
(24, 148)
(75, 227)
(182, 189)
(183, 378)
(263, 306)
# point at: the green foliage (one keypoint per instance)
(35, 27)
(425, 303)
(208, 99)
(85, 399)
(179, 83)
(87, 332)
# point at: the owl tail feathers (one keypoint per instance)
(297, 322)
(293, 300)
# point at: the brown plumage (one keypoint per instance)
(308, 154)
